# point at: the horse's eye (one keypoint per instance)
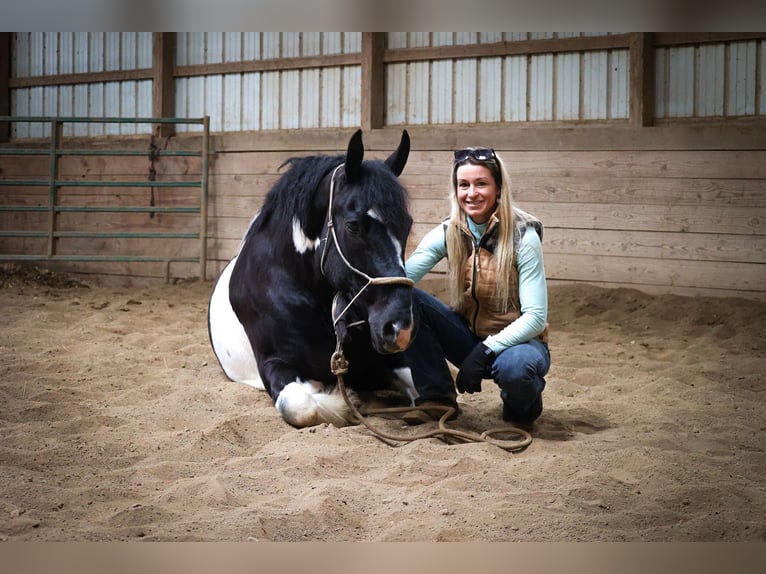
(352, 227)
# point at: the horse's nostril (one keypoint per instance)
(390, 331)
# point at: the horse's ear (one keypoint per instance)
(398, 159)
(354, 156)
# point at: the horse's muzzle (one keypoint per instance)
(397, 337)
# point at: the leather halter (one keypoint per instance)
(370, 280)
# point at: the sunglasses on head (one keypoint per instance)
(478, 153)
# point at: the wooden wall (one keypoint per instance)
(671, 209)
(676, 209)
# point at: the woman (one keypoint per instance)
(496, 324)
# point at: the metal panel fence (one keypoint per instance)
(54, 184)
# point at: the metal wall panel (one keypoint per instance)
(417, 93)
(232, 102)
(351, 113)
(251, 101)
(742, 79)
(761, 72)
(567, 86)
(465, 91)
(541, 87)
(710, 80)
(55, 53)
(619, 85)
(490, 89)
(330, 98)
(290, 100)
(310, 90)
(272, 100)
(441, 92)
(396, 94)
(710, 83)
(515, 89)
(595, 74)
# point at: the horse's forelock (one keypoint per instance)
(379, 189)
(294, 193)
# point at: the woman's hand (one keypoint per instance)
(476, 366)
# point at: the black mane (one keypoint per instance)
(294, 194)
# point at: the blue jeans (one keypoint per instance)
(519, 371)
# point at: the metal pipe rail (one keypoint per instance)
(54, 184)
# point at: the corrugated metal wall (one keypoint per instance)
(311, 98)
(715, 80)
(545, 87)
(711, 80)
(54, 53)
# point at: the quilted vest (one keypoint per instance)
(478, 304)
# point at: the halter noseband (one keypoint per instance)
(370, 280)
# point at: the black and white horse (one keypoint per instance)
(322, 262)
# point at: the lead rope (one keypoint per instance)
(339, 367)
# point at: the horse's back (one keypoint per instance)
(228, 337)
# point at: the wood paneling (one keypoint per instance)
(619, 209)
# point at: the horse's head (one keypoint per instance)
(364, 256)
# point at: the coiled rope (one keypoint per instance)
(339, 367)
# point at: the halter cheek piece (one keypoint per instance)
(370, 280)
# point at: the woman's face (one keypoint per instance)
(477, 192)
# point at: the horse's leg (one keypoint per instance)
(304, 402)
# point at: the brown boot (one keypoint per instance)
(429, 411)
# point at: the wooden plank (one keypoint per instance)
(373, 80)
(99, 167)
(269, 65)
(669, 273)
(628, 191)
(681, 219)
(101, 197)
(573, 136)
(744, 164)
(82, 78)
(126, 274)
(641, 95)
(5, 89)
(667, 218)
(163, 83)
(679, 246)
(663, 290)
(641, 191)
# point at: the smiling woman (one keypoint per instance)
(496, 326)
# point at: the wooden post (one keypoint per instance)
(5, 89)
(373, 80)
(641, 79)
(163, 80)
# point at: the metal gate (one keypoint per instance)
(54, 185)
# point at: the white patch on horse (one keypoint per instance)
(404, 383)
(228, 337)
(301, 242)
(309, 403)
(397, 245)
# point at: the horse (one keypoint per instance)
(321, 268)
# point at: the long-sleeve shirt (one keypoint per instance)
(533, 291)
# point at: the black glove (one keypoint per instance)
(476, 366)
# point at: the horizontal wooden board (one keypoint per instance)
(680, 246)
(98, 167)
(749, 164)
(627, 270)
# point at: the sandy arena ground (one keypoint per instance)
(116, 423)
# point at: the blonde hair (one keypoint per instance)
(504, 250)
